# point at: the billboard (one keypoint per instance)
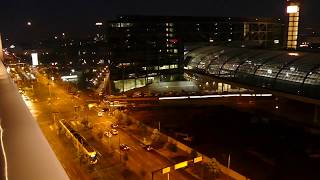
(35, 61)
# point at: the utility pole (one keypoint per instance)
(119, 148)
(54, 116)
(229, 161)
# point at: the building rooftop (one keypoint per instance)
(291, 72)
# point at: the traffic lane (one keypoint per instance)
(149, 161)
(63, 150)
(140, 159)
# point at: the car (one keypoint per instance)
(114, 126)
(104, 110)
(114, 132)
(108, 134)
(148, 148)
(100, 114)
(124, 147)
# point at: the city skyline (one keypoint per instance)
(75, 18)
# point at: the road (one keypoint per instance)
(53, 97)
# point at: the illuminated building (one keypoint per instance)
(142, 45)
(293, 10)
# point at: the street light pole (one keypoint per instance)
(229, 159)
(119, 148)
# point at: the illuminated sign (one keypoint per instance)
(181, 165)
(166, 170)
(35, 61)
(197, 159)
(69, 78)
(292, 9)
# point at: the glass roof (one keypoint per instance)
(292, 72)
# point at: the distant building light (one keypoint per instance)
(276, 41)
(29, 23)
(292, 9)
(69, 78)
(35, 61)
(99, 24)
(269, 71)
(293, 54)
(12, 46)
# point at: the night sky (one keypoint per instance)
(77, 17)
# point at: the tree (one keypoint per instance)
(173, 147)
(213, 167)
(194, 154)
(100, 135)
(125, 157)
(126, 173)
(143, 129)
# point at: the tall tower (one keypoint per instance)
(293, 10)
(1, 51)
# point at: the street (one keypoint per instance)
(55, 103)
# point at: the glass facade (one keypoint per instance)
(292, 72)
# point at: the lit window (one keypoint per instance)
(292, 9)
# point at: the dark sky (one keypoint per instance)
(78, 16)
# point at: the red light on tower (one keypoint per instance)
(174, 41)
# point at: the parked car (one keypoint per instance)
(114, 126)
(108, 134)
(124, 147)
(100, 114)
(114, 132)
(104, 110)
(148, 148)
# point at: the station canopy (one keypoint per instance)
(291, 72)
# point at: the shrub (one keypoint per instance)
(193, 154)
(173, 147)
